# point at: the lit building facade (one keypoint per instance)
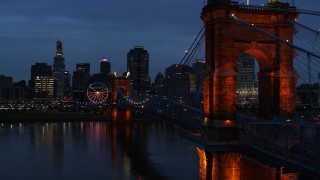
(138, 66)
(39, 70)
(59, 70)
(44, 87)
(247, 89)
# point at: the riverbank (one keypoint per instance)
(49, 116)
(22, 116)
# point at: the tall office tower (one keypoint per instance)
(67, 88)
(247, 92)
(58, 70)
(38, 70)
(80, 81)
(104, 66)
(138, 66)
(198, 73)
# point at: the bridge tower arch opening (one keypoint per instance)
(226, 38)
(247, 92)
(120, 85)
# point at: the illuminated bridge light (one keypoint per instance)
(205, 120)
(228, 122)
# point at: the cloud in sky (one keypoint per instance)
(100, 28)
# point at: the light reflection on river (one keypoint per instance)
(102, 150)
(95, 150)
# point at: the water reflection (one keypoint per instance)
(95, 150)
(120, 115)
(233, 166)
(103, 150)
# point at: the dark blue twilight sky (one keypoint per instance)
(93, 29)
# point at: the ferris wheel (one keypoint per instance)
(97, 93)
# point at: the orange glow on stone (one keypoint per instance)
(205, 120)
(228, 122)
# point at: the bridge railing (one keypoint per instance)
(298, 142)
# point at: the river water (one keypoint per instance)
(103, 150)
(95, 150)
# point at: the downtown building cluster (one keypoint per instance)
(53, 82)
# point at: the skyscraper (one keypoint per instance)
(38, 70)
(59, 70)
(44, 87)
(67, 89)
(104, 66)
(80, 81)
(138, 66)
(198, 73)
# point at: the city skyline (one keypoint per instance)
(105, 29)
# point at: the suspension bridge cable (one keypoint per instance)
(309, 33)
(194, 41)
(274, 37)
(303, 26)
(314, 32)
(309, 12)
(194, 50)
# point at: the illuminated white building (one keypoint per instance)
(247, 89)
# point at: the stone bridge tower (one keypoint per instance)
(119, 83)
(226, 39)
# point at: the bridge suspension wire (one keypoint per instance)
(307, 65)
(309, 39)
(309, 12)
(197, 50)
(194, 46)
(306, 36)
(275, 37)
